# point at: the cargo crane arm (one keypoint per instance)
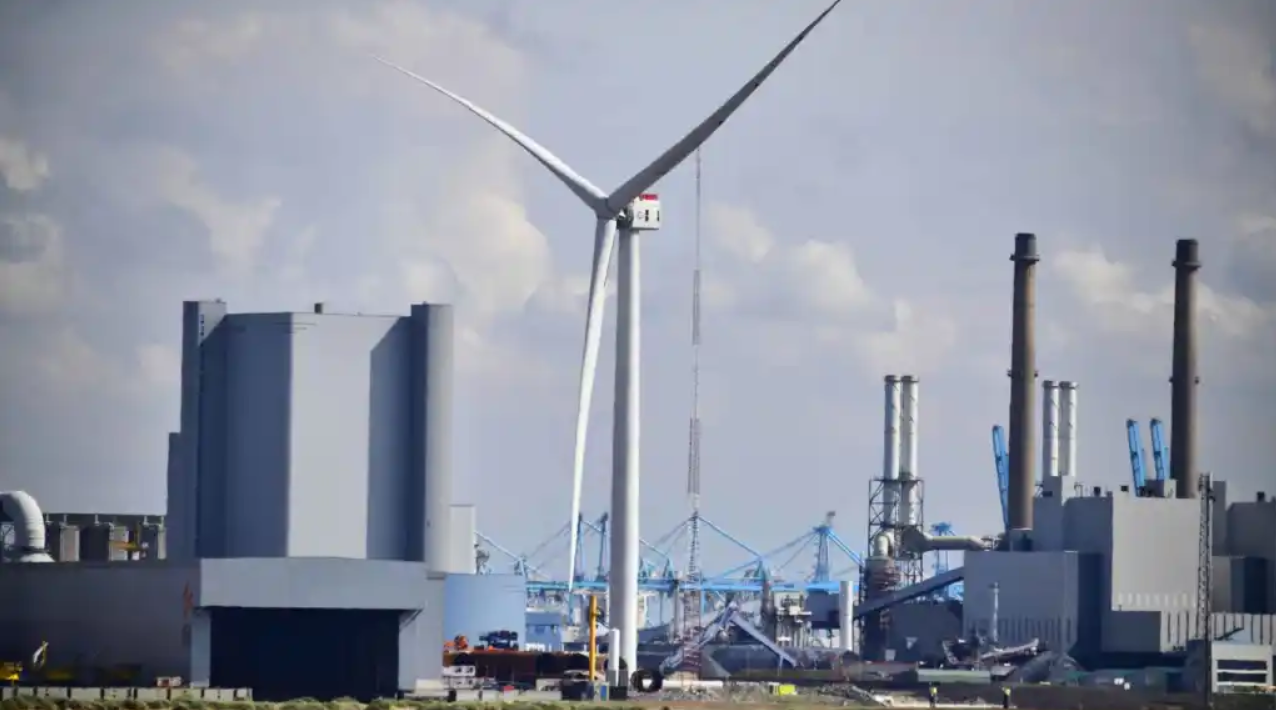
(1160, 457)
(1138, 458)
(1001, 460)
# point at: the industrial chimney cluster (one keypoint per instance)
(1059, 409)
(1058, 429)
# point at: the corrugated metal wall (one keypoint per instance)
(477, 604)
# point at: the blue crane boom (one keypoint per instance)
(1001, 459)
(1160, 456)
(1138, 457)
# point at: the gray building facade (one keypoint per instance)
(1112, 575)
(287, 628)
(313, 435)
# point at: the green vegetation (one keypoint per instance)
(31, 703)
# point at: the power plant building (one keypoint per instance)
(313, 435)
(309, 537)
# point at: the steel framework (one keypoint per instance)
(777, 568)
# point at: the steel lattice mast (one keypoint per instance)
(691, 600)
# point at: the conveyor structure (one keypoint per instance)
(728, 617)
(927, 586)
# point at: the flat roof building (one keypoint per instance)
(308, 537)
(313, 434)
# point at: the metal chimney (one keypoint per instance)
(1023, 373)
(1184, 379)
(1049, 429)
(908, 494)
(1068, 428)
(890, 459)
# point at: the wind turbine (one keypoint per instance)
(631, 209)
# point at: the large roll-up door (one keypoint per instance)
(306, 653)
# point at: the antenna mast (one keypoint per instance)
(692, 600)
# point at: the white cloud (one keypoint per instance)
(1115, 302)
(1110, 291)
(815, 278)
(478, 230)
(920, 341)
(812, 294)
(22, 168)
(738, 232)
(236, 231)
(33, 276)
(159, 364)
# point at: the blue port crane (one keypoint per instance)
(1160, 455)
(1001, 458)
(1138, 457)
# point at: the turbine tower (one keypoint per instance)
(632, 209)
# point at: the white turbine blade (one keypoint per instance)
(582, 188)
(648, 176)
(604, 245)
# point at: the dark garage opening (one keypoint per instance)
(324, 654)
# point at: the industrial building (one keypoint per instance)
(310, 499)
(311, 547)
(1114, 578)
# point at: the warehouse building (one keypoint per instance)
(310, 531)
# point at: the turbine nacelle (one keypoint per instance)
(642, 215)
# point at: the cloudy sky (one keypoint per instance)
(858, 215)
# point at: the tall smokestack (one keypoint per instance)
(908, 451)
(1068, 429)
(890, 458)
(1183, 381)
(1023, 373)
(1049, 429)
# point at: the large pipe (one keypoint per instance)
(917, 541)
(1050, 437)
(1184, 378)
(891, 454)
(21, 509)
(623, 588)
(908, 451)
(1068, 430)
(1023, 372)
(846, 616)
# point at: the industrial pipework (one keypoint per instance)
(28, 526)
(1184, 377)
(918, 541)
(1023, 371)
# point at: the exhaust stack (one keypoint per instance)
(890, 459)
(908, 493)
(1023, 373)
(1183, 381)
(1049, 429)
(1068, 429)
